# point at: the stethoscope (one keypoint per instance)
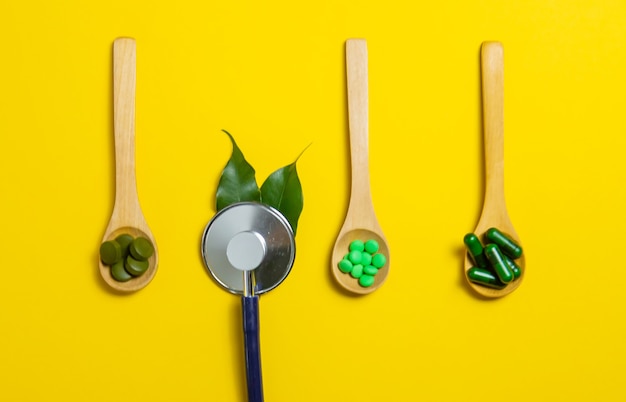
(249, 249)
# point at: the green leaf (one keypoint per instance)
(238, 182)
(283, 191)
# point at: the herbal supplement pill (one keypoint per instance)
(110, 252)
(357, 271)
(366, 259)
(357, 245)
(141, 249)
(475, 248)
(135, 267)
(378, 260)
(119, 273)
(371, 246)
(517, 271)
(366, 280)
(124, 241)
(483, 276)
(507, 245)
(345, 266)
(370, 270)
(355, 256)
(500, 266)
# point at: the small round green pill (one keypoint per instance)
(370, 270)
(119, 273)
(135, 267)
(110, 252)
(366, 280)
(357, 245)
(371, 246)
(355, 256)
(124, 241)
(366, 259)
(357, 271)
(141, 249)
(379, 260)
(345, 266)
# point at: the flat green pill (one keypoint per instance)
(119, 273)
(371, 246)
(357, 245)
(141, 249)
(357, 271)
(379, 260)
(366, 281)
(370, 270)
(484, 277)
(124, 241)
(499, 265)
(517, 271)
(507, 245)
(135, 267)
(475, 249)
(355, 256)
(110, 252)
(345, 266)
(366, 259)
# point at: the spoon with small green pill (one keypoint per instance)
(494, 213)
(127, 218)
(360, 222)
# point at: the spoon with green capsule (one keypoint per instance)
(494, 213)
(127, 217)
(360, 222)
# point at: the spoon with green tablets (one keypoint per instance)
(360, 222)
(494, 213)
(127, 218)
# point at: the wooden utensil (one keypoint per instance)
(360, 222)
(127, 216)
(494, 212)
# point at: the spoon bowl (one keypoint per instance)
(127, 217)
(341, 249)
(494, 212)
(360, 223)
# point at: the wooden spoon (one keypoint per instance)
(494, 213)
(360, 222)
(127, 216)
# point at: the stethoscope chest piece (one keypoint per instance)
(248, 236)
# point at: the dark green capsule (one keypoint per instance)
(517, 271)
(484, 277)
(499, 265)
(475, 249)
(507, 245)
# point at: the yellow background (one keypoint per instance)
(273, 74)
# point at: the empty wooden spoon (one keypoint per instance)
(360, 223)
(494, 212)
(127, 216)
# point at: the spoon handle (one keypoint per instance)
(357, 77)
(492, 66)
(124, 76)
(250, 308)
